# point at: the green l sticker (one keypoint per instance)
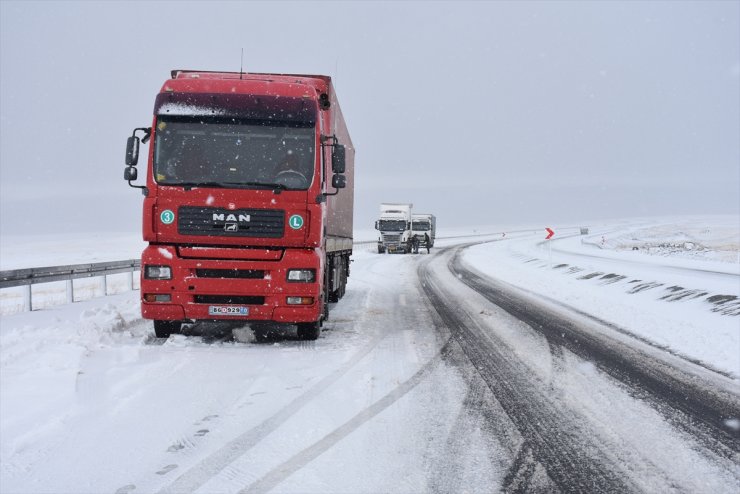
(295, 221)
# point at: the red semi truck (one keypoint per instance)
(248, 201)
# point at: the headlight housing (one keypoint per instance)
(158, 297)
(158, 273)
(301, 275)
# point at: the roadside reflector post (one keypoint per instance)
(105, 285)
(27, 299)
(131, 280)
(70, 292)
(550, 233)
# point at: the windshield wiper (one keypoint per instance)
(275, 187)
(235, 185)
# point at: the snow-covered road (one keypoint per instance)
(473, 369)
(568, 384)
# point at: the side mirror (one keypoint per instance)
(339, 181)
(130, 173)
(376, 225)
(338, 156)
(324, 102)
(132, 151)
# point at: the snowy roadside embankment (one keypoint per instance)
(684, 300)
(711, 241)
(41, 359)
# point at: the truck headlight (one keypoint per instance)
(157, 297)
(301, 275)
(158, 273)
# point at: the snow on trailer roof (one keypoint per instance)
(232, 83)
(217, 74)
(224, 104)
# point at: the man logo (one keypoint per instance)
(231, 227)
(241, 217)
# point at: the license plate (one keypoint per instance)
(221, 310)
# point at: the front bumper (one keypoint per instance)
(201, 282)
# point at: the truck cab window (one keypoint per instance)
(191, 150)
(392, 225)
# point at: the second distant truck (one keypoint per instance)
(421, 224)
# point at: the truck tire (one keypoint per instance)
(262, 335)
(333, 297)
(309, 330)
(163, 329)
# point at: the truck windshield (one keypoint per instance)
(230, 152)
(392, 225)
(422, 225)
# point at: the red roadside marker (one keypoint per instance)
(550, 233)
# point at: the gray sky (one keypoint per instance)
(483, 113)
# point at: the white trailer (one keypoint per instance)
(394, 227)
(422, 223)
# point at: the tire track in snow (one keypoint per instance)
(209, 467)
(203, 471)
(571, 457)
(304, 457)
(480, 417)
(703, 410)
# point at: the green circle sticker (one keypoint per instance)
(167, 216)
(295, 221)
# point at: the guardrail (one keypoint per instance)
(31, 276)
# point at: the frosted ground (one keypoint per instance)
(91, 402)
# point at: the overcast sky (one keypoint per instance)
(483, 113)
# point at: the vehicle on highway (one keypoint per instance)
(394, 227)
(424, 223)
(248, 200)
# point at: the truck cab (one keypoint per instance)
(248, 200)
(394, 227)
(422, 223)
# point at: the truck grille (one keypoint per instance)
(392, 238)
(228, 223)
(229, 299)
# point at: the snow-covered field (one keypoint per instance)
(675, 284)
(91, 402)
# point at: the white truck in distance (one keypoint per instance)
(421, 224)
(394, 226)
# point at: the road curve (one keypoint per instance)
(575, 458)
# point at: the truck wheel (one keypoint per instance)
(262, 335)
(309, 330)
(326, 298)
(163, 329)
